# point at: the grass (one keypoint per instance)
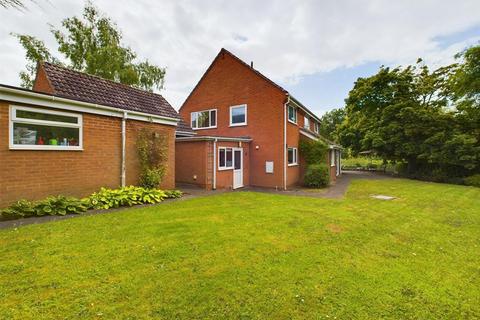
(255, 256)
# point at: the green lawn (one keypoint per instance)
(255, 256)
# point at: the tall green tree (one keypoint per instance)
(92, 44)
(329, 123)
(429, 119)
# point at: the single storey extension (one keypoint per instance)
(75, 133)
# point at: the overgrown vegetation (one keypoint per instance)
(429, 120)
(315, 153)
(103, 199)
(152, 154)
(247, 255)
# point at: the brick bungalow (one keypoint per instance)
(247, 129)
(74, 133)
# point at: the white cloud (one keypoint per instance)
(285, 39)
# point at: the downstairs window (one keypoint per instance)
(44, 129)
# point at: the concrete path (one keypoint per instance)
(335, 191)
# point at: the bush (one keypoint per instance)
(472, 180)
(126, 196)
(171, 194)
(314, 152)
(317, 176)
(59, 205)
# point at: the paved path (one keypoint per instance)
(335, 191)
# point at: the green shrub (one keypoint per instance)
(317, 176)
(126, 196)
(314, 151)
(59, 205)
(171, 194)
(151, 178)
(472, 180)
(152, 150)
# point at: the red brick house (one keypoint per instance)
(247, 129)
(74, 133)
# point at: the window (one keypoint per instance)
(204, 119)
(42, 129)
(292, 156)
(316, 126)
(306, 122)
(292, 114)
(225, 158)
(238, 115)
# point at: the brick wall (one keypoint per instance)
(37, 174)
(229, 83)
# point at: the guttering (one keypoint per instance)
(213, 138)
(124, 153)
(46, 100)
(305, 109)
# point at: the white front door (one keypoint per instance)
(237, 168)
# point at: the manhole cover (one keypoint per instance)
(382, 197)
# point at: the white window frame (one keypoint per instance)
(295, 156)
(316, 127)
(225, 167)
(241, 123)
(14, 119)
(306, 122)
(332, 158)
(209, 116)
(295, 113)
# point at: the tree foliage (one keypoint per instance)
(92, 44)
(428, 119)
(330, 122)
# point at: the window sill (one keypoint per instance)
(225, 169)
(204, 128)
(52, 148)
(238, 125)
(293, 164)
(292, 122)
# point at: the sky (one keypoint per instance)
(315, 49)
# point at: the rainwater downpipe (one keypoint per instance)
(124, 138)
(214, 187)
(285, 115)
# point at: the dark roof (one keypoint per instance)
(184, 127)
(80, 86)
(225, 51)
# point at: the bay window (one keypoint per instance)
(204, 119)
(44, 129)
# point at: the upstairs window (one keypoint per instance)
(204, 119)
(316, 127)
(292, 114)
(306, 122)
(292, 156)
(238, 115)
(225, 158)
(44, 129)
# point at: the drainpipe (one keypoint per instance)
(285, 112)
(214, 187)
(124, 136)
